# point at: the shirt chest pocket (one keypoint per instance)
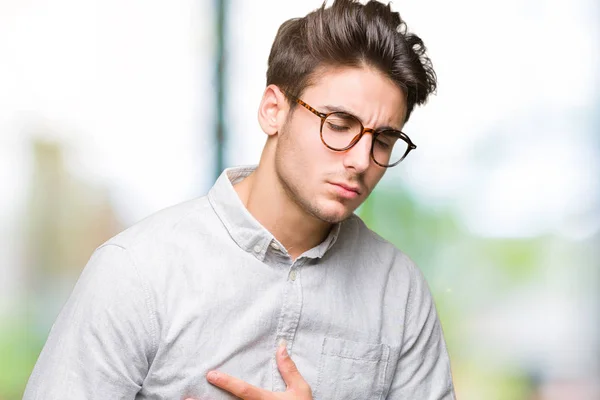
(351, 370)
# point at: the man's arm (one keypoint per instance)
(104, 339)
(423, 370)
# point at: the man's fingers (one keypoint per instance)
(288, 370)
(296, 384)
(235, 386)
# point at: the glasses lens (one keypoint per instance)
(389, 148)
(339, 129)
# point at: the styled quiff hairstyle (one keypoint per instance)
(350, 34)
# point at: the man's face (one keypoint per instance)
(326, 184)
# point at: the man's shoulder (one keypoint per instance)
(362, 239)
(356, 228)
(381, 256)
(168, 224)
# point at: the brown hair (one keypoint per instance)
(351, 34)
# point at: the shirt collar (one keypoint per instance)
(243, 228)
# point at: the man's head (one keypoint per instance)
(351, 34)
(356, 58)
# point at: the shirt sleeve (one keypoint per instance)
(423, 369)
(104, 339)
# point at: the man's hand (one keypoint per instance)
(297, 388)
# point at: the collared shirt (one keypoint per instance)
(202, 285)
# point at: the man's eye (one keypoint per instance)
(336, 127)
(382, 144)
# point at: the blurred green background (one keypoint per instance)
(108, 112)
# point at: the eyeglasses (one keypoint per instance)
(340, 131)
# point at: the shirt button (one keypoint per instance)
(257, 249)
(274, 246)
(293, 275)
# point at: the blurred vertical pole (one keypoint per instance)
(221, 6)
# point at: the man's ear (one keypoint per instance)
(273, 110)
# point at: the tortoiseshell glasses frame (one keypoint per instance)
(374, 132)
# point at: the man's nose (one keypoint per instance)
(359, 156)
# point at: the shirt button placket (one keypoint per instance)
(290, 316)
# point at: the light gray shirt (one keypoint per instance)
(202, 285)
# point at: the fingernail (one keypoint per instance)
(283, 347)
(212, 376)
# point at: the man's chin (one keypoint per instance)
(334, 213)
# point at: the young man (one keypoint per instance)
(270, 281)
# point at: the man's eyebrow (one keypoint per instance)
(330, 108)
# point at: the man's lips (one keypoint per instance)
(350, 188)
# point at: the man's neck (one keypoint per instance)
(265, 198)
